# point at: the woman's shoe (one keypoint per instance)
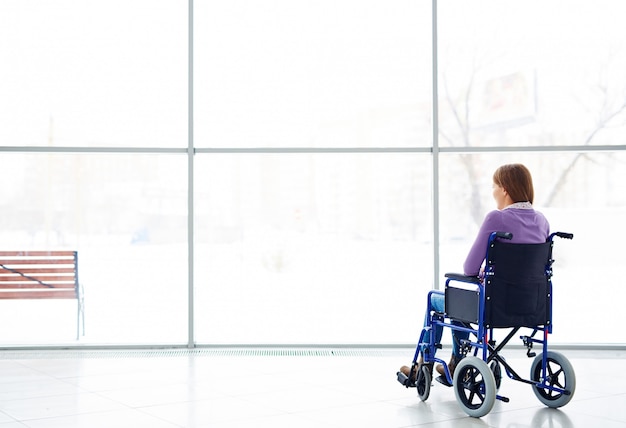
(454, 360)
(406, 370)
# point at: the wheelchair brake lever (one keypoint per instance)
(529, 346)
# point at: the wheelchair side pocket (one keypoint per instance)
(512, 304)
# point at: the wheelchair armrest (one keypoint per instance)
(463, 278)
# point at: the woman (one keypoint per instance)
(514, 193)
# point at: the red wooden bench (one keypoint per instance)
(42, 275)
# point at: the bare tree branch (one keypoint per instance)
(603, 123)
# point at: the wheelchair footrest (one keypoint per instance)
(404, 380)
(443, 380)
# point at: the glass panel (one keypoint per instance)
(93, 73)
(532, 73)
(126, 215)
(316, 249)
(581, 193)
(329, 73)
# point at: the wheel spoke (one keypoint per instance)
(557, 373)
(555, 376)
(473, 386)
(556, 382)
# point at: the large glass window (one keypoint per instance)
(328, 73)
(311, 248)
(93, 73)
(538, 74)
(126, 215)
(531, 73)
(312, 173)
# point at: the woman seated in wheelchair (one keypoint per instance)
(514, 193)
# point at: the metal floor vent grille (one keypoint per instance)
(212, 352)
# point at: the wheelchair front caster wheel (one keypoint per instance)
(423, 382)
(559, 374)
(474, 386)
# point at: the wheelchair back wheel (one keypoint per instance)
(559, 374)
(474, 386)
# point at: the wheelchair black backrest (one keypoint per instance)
(517, 285)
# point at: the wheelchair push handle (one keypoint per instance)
(563, 235)
(503, 235)
(499, 235)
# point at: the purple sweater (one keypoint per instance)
(527, 226)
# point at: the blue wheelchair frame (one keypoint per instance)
(482, 345)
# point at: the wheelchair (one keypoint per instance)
(515, 294)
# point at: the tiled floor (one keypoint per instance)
(278, 388)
